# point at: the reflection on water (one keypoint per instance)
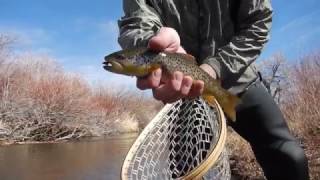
(89, 159)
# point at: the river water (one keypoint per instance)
(91, 159)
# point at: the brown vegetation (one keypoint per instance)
(296, 88)
(302, 108)
(40, 102)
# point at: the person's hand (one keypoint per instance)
(166, 40)
(177, 86)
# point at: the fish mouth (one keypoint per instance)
(126, 68)
(113, 66)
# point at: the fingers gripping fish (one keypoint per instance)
(141, 62)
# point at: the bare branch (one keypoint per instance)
(274, 75)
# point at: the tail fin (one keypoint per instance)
(227, 102)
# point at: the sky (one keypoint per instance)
(78, 34)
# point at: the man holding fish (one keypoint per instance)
(225, 37)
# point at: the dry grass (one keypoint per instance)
(40, 102)
(299, 100)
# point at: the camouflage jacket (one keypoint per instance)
(226, 34)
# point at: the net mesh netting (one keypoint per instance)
(178, 140)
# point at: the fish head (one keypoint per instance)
(132, 62)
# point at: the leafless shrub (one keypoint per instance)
(303, 100)
(40, 102)
(5, 45)
(275, 75)
(301, 108)
(295, 87)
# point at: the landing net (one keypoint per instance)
(184, 141)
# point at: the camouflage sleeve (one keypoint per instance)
(139, 23)
(254, 23)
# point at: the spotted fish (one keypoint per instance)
(142, 61)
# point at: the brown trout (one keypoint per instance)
(142, 61)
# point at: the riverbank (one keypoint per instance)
(39, 102)
(295, 88)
